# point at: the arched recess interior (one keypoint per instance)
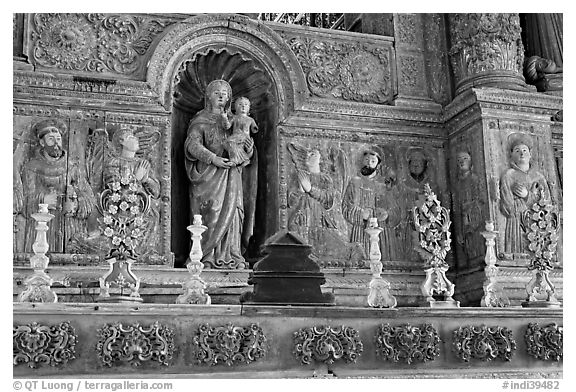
(259, 65)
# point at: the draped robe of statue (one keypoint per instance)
(362, 193)
(313, 217)
(42, 176)
(513, 206)
(217, 193)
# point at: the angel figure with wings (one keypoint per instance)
(123, 161)
(314, 216)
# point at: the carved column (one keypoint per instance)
(410, 60)
(486, 51)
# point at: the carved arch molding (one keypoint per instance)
(258, 64)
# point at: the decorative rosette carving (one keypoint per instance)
(327, 344)
(483, 343)
(545, 343)
(407, 343)
(135, 344)
(94, 42)
(229, 344)
(343, 70)
(36, 344)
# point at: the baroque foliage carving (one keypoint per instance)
(327, 344)
(483, 343)
(407, 343)
(94, 42)
(36, 344)
(345, 70)
(545, 343)
(485, 42)
(229, 344)
(135, 344)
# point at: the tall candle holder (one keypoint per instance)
(195, 286)
(38, 285)
(379, 295)
(494, 296)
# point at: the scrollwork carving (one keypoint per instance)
(407, 343)
(35, 344)
(229, 344)
(94, 42)
(483, 343)
(545, 343)
(327, 344)
(344, 70)
(135, 344)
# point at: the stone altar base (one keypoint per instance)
(178, 341)
(349, 287)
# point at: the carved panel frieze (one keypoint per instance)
(485, 42)
(229, 344)
(135, 344)
(98, 43)
(545, 342)
(436, 58)
(412, 74)
(36, 344)
(483, 343)
(328, 215)
(408, 29)
(407, 343)
(327, 344)
(350, 71)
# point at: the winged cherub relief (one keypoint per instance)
(315, 213)
(124, 159)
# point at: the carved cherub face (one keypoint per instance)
(242, 106)
(51, 141)
(129, 142)
(521, 154)
(313, 161)
(463, 161)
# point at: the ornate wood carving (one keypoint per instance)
(487, 43)
(135, 344)
(100, 43)
(436, 58)
(36, 344)
(345, 70)
(406, 343)
(229, 344)
(545, 343)
(327, 344)
(483, 343)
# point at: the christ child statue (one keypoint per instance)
(242, 126)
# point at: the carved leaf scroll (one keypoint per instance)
(407, 343)
(94, 42)
(229, 344)
(483, 343)
(135, 344)
(36, 344)
(327, 344)
(545, 343)
(344, 70)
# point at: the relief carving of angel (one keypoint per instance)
(315, 205)
(123, 159)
